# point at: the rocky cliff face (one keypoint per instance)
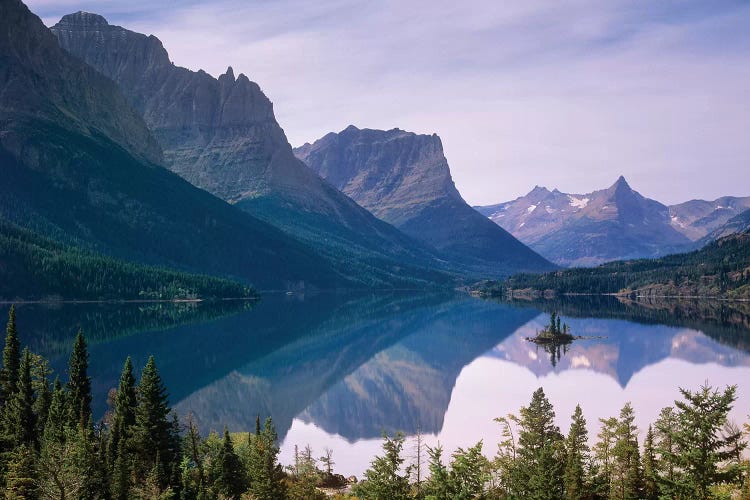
(221, 135)
(588, 229)
(404, 179)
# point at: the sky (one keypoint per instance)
(567, 95)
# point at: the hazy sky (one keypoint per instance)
(562, 94)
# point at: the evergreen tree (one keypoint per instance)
(626, 466)
(79, 383)
(603, 451)
(40, 372)
(124, 416)
(155, 445)
(20, 416)
(231, 480)
(437, 486)
(577, 454)
(11, 359)
(665, 446)
(21, 474)
(384, 479)
(650, 474)
(540, 450)
(701, 451)
(468, 473)
(266, 474)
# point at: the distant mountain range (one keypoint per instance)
(610, 224)
(404, 179)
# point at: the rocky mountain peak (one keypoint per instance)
(228, 75)
(83, 19)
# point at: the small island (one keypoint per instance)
(554, 333)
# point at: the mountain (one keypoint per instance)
(719, 269)
(738, 224)
(221, 135)
(404, 179)
(588, 229)
(696, 219)
(80, 166)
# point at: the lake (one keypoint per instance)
(336, 370)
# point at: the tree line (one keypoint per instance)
(720, 269)
(51, 448)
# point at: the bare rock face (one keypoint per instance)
(588, 229)
(219, 134)
(405, 180)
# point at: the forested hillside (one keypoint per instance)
(33, 267)
(720, 269)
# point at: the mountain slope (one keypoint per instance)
(737, 224)
(222, 136)
(78, 165)
(33, 267)
(404, 179)
(575, 230)
(696, 219)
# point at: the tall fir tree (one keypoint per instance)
(649, 467)
(540, 450)
(576, 481)
(603, 452)
(20, 416)
(266, 474)
(79, 382)
(11, 358)
(626, 467)
(123, 417)
(231, 481)
(155, 444)
(700, 448)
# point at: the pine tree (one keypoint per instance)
(383, 479)
(700, 447)
(266, 474)
(469, 473)
(437, 486)
(124, 416)
(154, 442)
(79, 383)
(41, 372)
(20, 416)
(11, 359)
(665, 446)
(577, 454)
(603, 451)
(626, 467)
(540, 450)
(20, 477)
(230, 481)
(650, 474)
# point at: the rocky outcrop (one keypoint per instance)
(588, 229)
(404, 179)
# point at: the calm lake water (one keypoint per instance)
(336, 370)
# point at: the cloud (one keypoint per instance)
(568, 95)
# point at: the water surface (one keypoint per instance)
(337, 370)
